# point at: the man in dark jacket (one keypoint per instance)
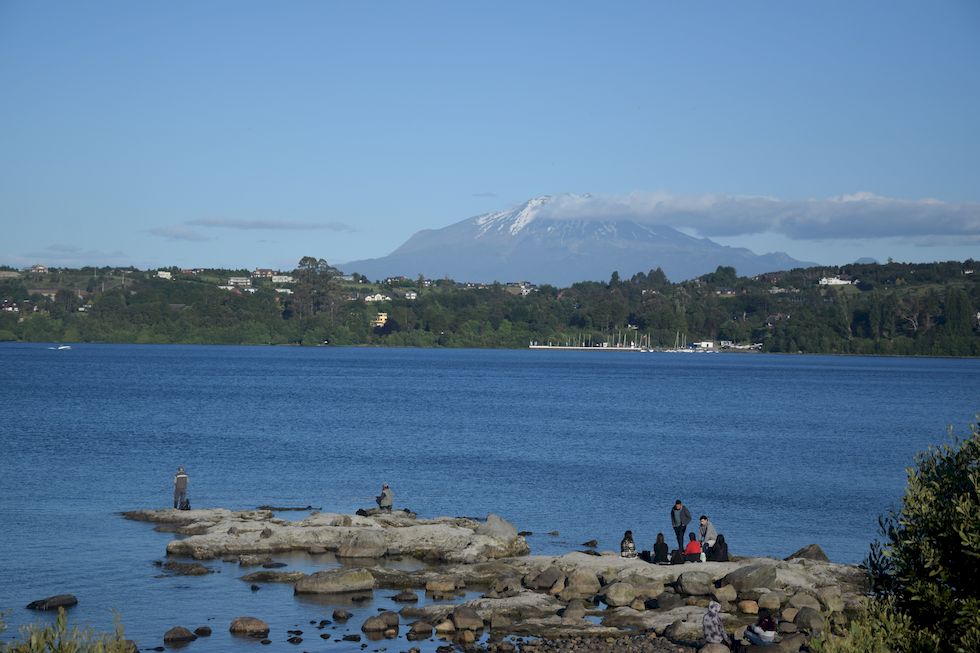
(680, 517)
(180, 487)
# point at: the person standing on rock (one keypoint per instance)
(180, 488)
(680, 517)
(386, 499)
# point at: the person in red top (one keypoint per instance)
(692, 552)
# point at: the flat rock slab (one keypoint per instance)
(218, 533)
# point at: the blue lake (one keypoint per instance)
(780, 451)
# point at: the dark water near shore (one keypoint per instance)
(780, 451)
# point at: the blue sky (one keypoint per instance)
(251, 134)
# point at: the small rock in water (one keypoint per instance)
(591, 544)
(273, 565)
(405, 596)
(53, 602)
(554, 533)
(178, 634)
(295, 640)
(342, 615)
(255, 588)
(203, 631)
(525, 533)
(266, 642)
(186, 568)
(351, 638)
(249, 626)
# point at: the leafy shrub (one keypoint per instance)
(58, 638)
(925, 573)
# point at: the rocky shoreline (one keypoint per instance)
(579, 601)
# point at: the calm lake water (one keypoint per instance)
(780, 451)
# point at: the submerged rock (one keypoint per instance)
(335, 581)
(273, 577)
(178, 634)
(53, 602)
(186, 568)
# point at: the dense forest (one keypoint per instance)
(892, 308)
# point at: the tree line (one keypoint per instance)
(893, 308)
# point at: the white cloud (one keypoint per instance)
(857, 215)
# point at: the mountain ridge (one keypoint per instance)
(526, 243)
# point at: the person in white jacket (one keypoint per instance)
(706, 536)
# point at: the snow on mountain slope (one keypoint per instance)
(528, 243)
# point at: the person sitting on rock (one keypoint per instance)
(627, 547)
(719, 552)
(386, 499)
(180, 488)
(661, 554)
(763, 632)
(706, 536)
(692, 552)
(714, 629)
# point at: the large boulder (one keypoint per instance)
(248, 626)
(750, 576)
(809, 620)
(714, 648)
(53, 602)
(363, 543)
(804, 600)
(466, 618)
(685, 633)
(791, 643)
(620, 594)
(809, 552)
(335, 581)
(694, 583)
(546, 579)
(724, 594)
(580, 584)
(830, 597)
(771, 601)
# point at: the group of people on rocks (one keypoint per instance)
(704, 545)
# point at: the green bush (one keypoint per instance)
(925, 572)
(58, 638)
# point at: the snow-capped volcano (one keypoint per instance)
(533, 242)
